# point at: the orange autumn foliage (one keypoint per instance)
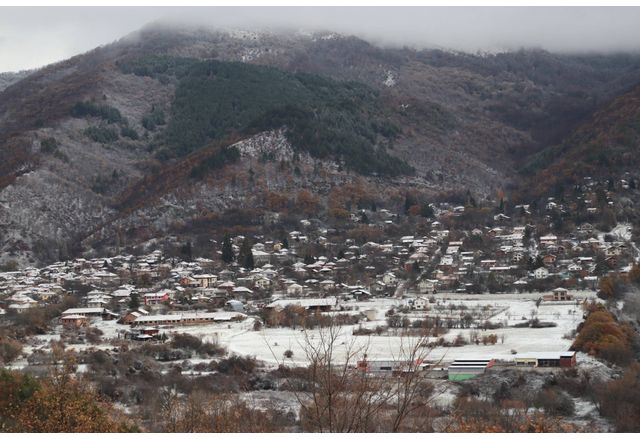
(307, 202)
(603, 336)
(59, 403)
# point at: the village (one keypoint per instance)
(457, 294)
(485, 293)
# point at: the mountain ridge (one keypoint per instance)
(464, 123)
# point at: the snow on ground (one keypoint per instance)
(270, 344)
(622, 231)
(285, 401)
(444, 393)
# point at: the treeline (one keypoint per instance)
(161, 67)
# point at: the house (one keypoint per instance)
(585, 228)
(261, 258)
(541, 273)
(20, 307)
(488, 263)
(611, 261)
(558, 295)
(295, 289)
(85, 312)
(241, 292)
(234, 305)
(227, 275)
(427, 286)
(420, 303)
(156, 298)
(262, 283)
(390, 279)
(546, 359)
(548, 240)
(204, 280)
(378, 287)
(549, 260)
(129, 318)
(328, 285)
(574, 268)
(73, 321)
(360, 294)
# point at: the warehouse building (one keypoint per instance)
(546, 359)
(461, 370)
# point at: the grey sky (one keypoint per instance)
(32, 37)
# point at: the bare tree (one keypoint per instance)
(341, 395)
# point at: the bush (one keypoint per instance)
(129, 132)
(236, 365)
(186, 341)
(554, 403)
(10, 349)
(153, 119)
(288, 353)
(619, 400)
(93, 335)
(48, 145)
(101, 134)
(210, 350)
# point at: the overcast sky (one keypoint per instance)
(33, 37)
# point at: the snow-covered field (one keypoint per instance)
(270, 344)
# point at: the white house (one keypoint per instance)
(390, 279)
(294, 289)
(420, 303)
(541, 273)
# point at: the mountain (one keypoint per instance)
(8, 78)
(603, 147)
(174, 130)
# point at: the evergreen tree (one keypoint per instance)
(526, 237)
(471, 202)
(227, 250)
(285, 243)
(537, 263)
(408, 202)
(248, 261)
(246, 255)
(426, 211)
(134, 301)
(186, 251)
